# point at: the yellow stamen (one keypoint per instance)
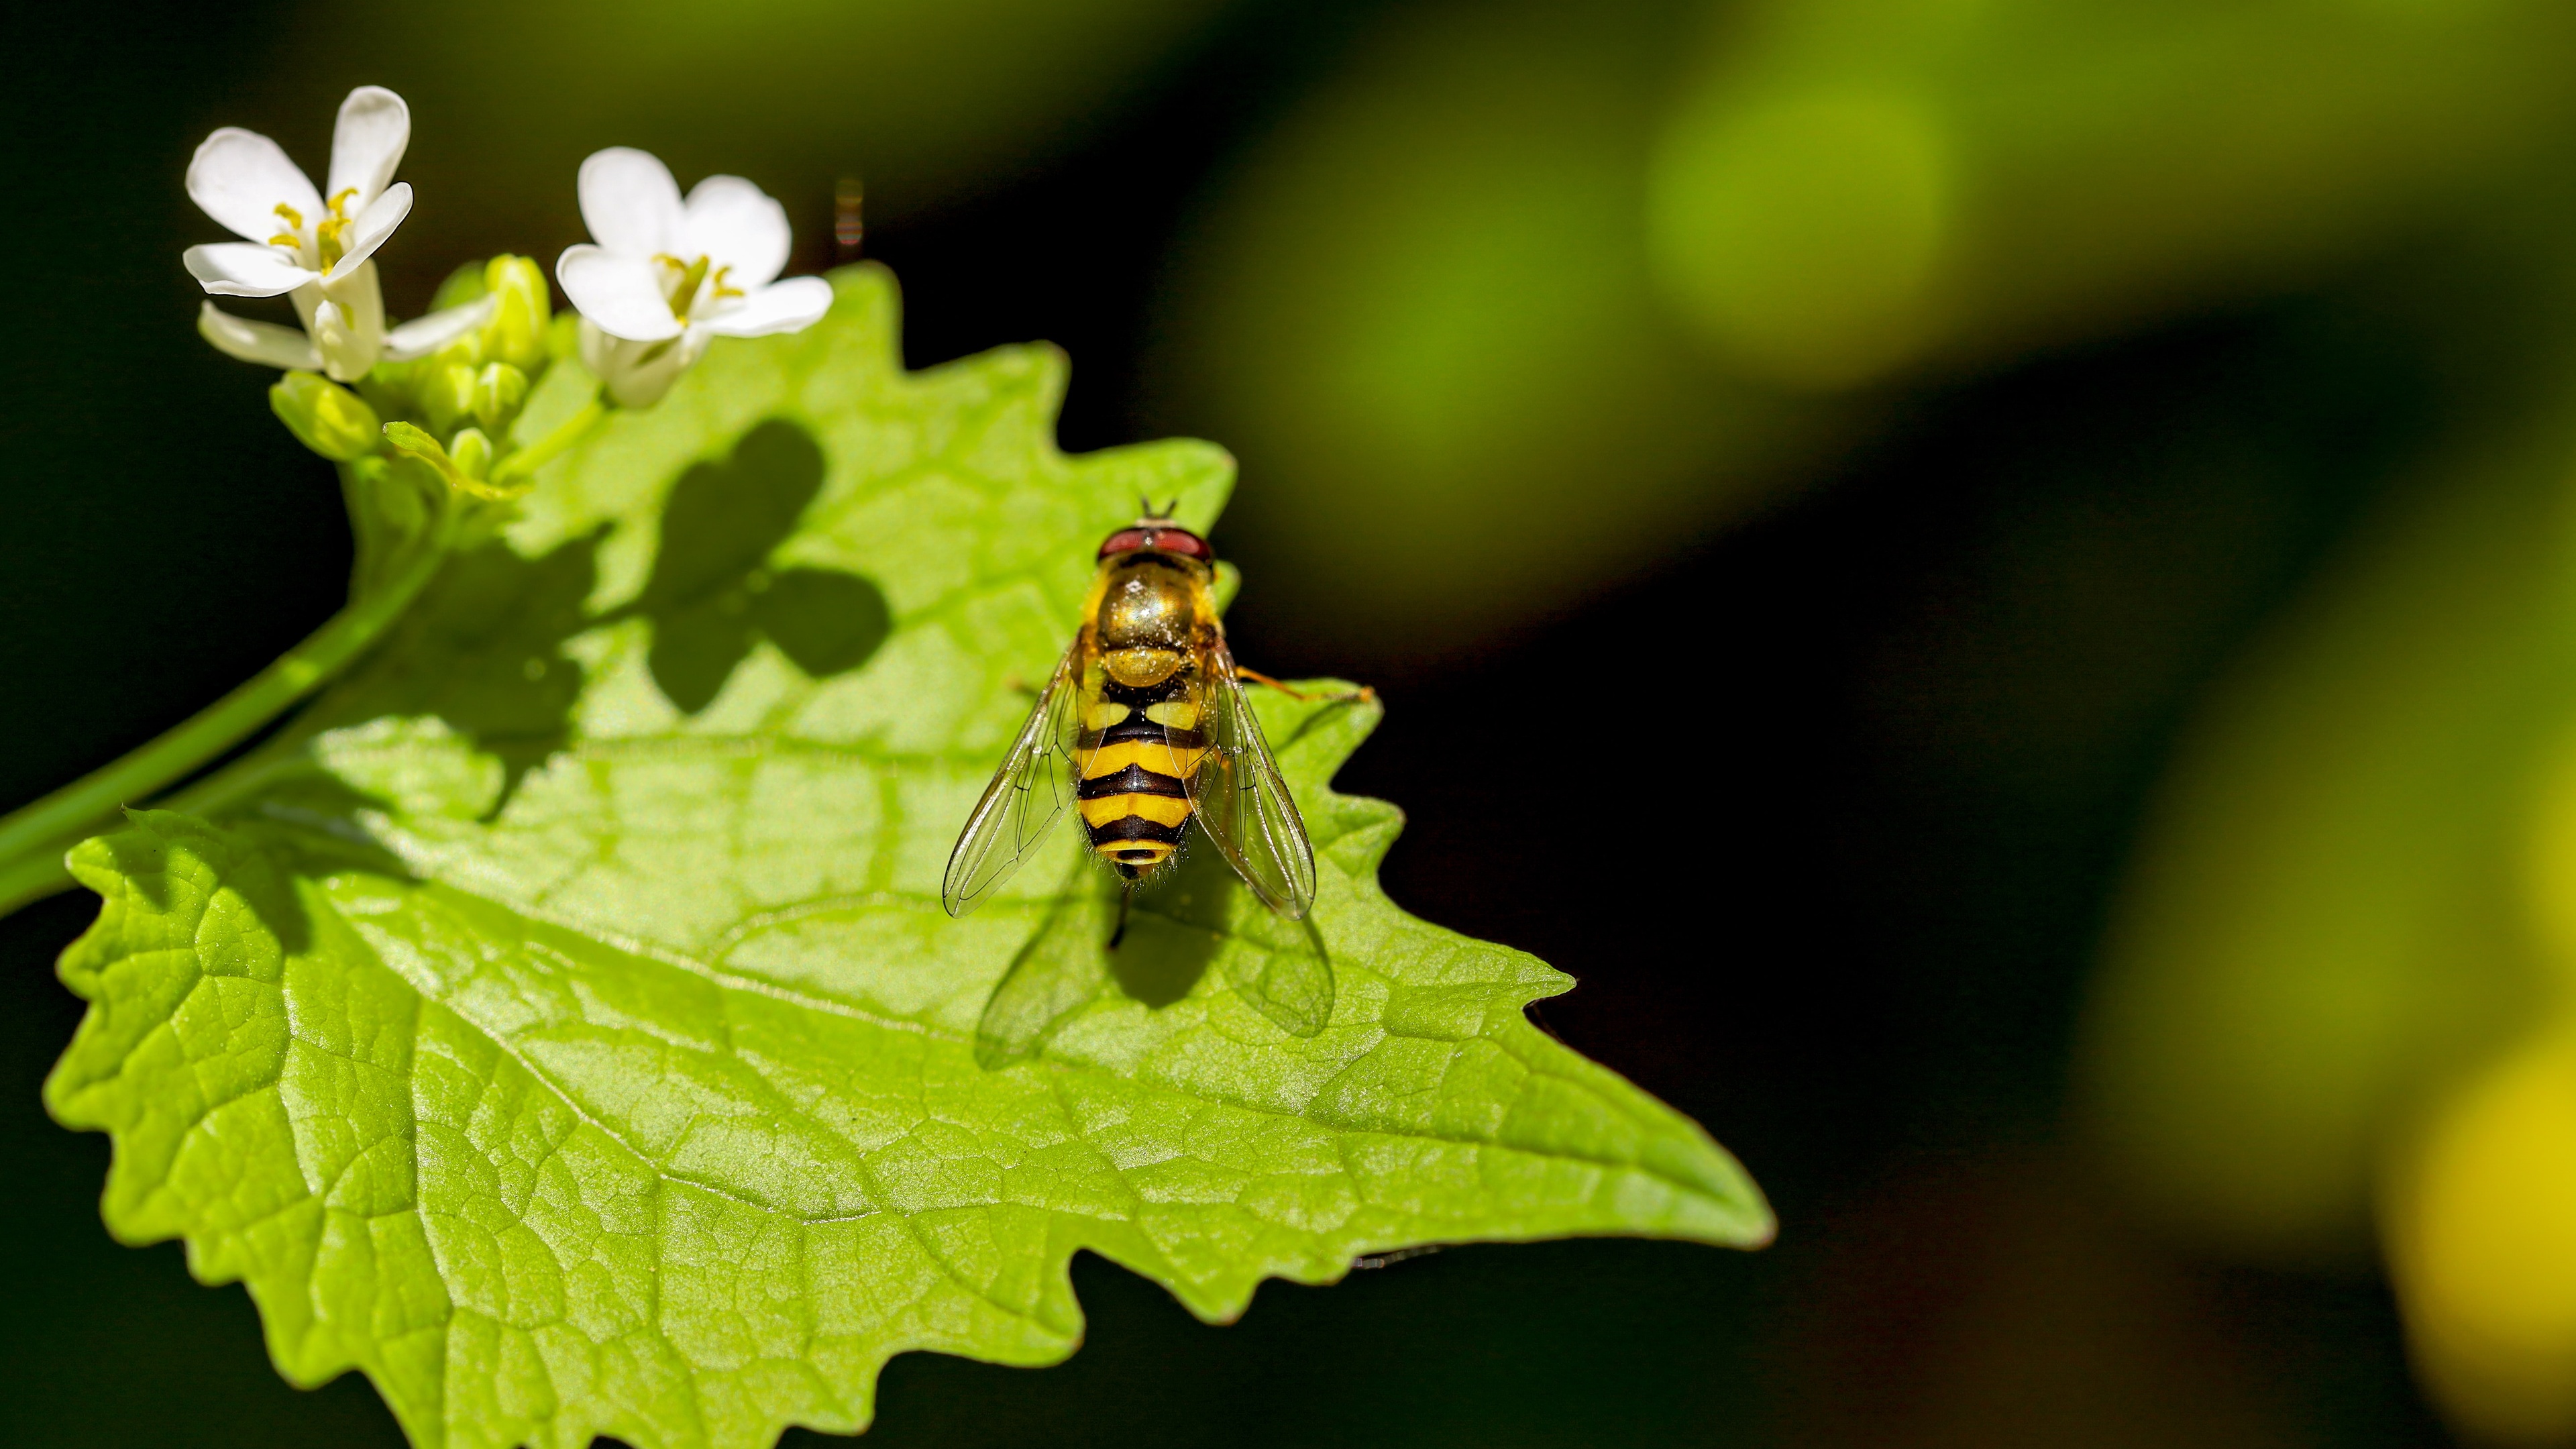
(326, 236)
(294, 218)
(721, 289)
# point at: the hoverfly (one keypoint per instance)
(1142, 728)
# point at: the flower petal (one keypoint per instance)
(368, 143)
(622, 294)
(239, 178)
(246, 269)
(371, 228)
(789, 306)
(422, 336)
(629, 202)
(261, 342)
(735, 224)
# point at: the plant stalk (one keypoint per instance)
(524, 463)
(34, 837)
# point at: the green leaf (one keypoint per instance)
(567, 1031)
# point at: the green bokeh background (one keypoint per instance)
(1863, 437)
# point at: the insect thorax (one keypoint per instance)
(1147, 620)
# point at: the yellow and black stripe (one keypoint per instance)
(1139, 748)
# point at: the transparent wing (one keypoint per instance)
(1027, 794)
(1240, 801)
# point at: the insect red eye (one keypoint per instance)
(1183, 542)
(1125, 540)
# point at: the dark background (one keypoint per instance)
(1880, 753)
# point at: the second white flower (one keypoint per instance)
(664, 274)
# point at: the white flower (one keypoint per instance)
(317, 250)
(667, 275)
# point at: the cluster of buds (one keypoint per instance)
(498, 339)
(662, 276)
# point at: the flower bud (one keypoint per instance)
(517, 332)
(323, 416)
(498, 390)
(461, 286)
(446, 393)
(388, 387)
(471, 452)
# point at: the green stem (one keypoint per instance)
(31, 879)
(526, 461)
(34, 837)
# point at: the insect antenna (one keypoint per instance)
(1118, 933)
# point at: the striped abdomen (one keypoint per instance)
(1138, 750)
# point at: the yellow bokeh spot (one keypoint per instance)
(1804, 236)
(2481, 1231)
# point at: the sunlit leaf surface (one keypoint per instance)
(569, 1035)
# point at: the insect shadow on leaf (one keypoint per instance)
(1198, 915)
(1176, 927)
(714, 593)
(1058, 971)
(1204, 914)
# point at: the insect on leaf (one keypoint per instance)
(578, 1059)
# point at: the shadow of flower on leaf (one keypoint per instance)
(484, 651)
(714, 594)
(504, 678)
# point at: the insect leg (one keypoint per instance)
(1118, 933)
(1363, 694)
